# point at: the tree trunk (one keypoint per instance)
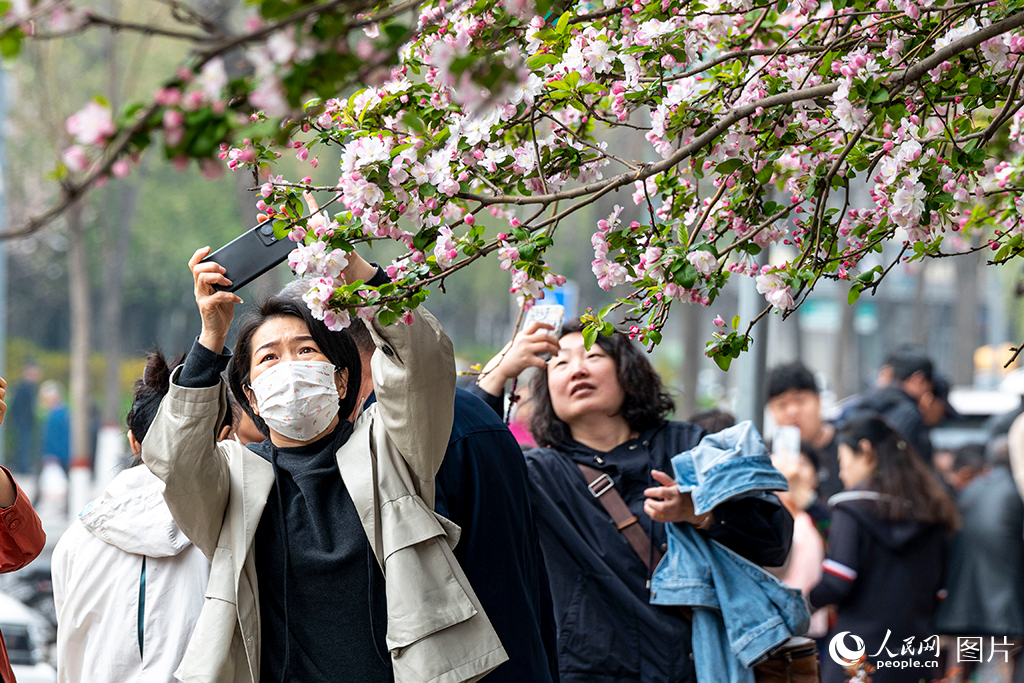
(690, 318)
(966, 317)
(78, 280)
(921, 318)
(115, 256)
(846, 367)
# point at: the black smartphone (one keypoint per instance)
(250, 255)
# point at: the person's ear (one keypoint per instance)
(225, 432)
(251, 397)
(133, 443)
(865, 449)
(341, 378)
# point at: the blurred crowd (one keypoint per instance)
(322, 505)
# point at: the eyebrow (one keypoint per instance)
(275, 342)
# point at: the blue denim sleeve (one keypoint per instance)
(759, 529)
(839, 570)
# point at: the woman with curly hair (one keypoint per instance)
(605, 408)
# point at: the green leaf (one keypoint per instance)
(735, 322)
(607, 329)
(10, 43)
(728, 166)
(542, 59)
(572, 79)
(854, 294)
(589, 336)
(604, 311)
(721, 360)
(880, 96)
(563, 23)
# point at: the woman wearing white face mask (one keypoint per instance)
(328, 563)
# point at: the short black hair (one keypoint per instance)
(337, 346)
(793, 376)
(713, 421)
(905, 361)
(645, 405)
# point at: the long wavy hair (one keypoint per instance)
(645, 405)
(909, 489)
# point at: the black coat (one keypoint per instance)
(608, 632)
(482, 487)
(986, 568)
(882, 576)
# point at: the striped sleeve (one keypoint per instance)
(839, 570)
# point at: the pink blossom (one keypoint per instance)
(92, 124)
(75, 159)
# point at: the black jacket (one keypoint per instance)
(481, 486)
(986, 568)
(608, 632)
(882, 576)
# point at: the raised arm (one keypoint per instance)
(180, 447)
(414, 380)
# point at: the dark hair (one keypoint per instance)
(907, 360)
(337, 346)
(811, 453)
(645, 405)
(150, 390)
(970, 455)
(790, 377)
(361, 336)
(713, 421)
(908, 487)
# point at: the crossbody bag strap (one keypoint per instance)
(603, 488)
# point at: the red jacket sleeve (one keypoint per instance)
(21, 533)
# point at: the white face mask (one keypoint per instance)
(297, 399)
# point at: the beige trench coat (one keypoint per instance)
(437, 631)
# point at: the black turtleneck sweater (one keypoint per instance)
(322, 601)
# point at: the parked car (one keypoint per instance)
(24, 634)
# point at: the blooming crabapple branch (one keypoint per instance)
(706, 138)
(92, 19)
(72, 192)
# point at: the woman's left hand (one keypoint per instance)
(666, 503)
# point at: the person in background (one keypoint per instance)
(481, 486)
(910, 376)
(605, 408)
(968, 464)
(21, 533)
(713, 421)
(23, 417)
(128, 585)
(887, 547)
(795, 401)
(986, 568)
(803, 565)
(56, 424)
(934, 404)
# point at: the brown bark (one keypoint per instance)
(81, 314)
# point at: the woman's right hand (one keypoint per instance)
(217, 308)
(522, 352)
